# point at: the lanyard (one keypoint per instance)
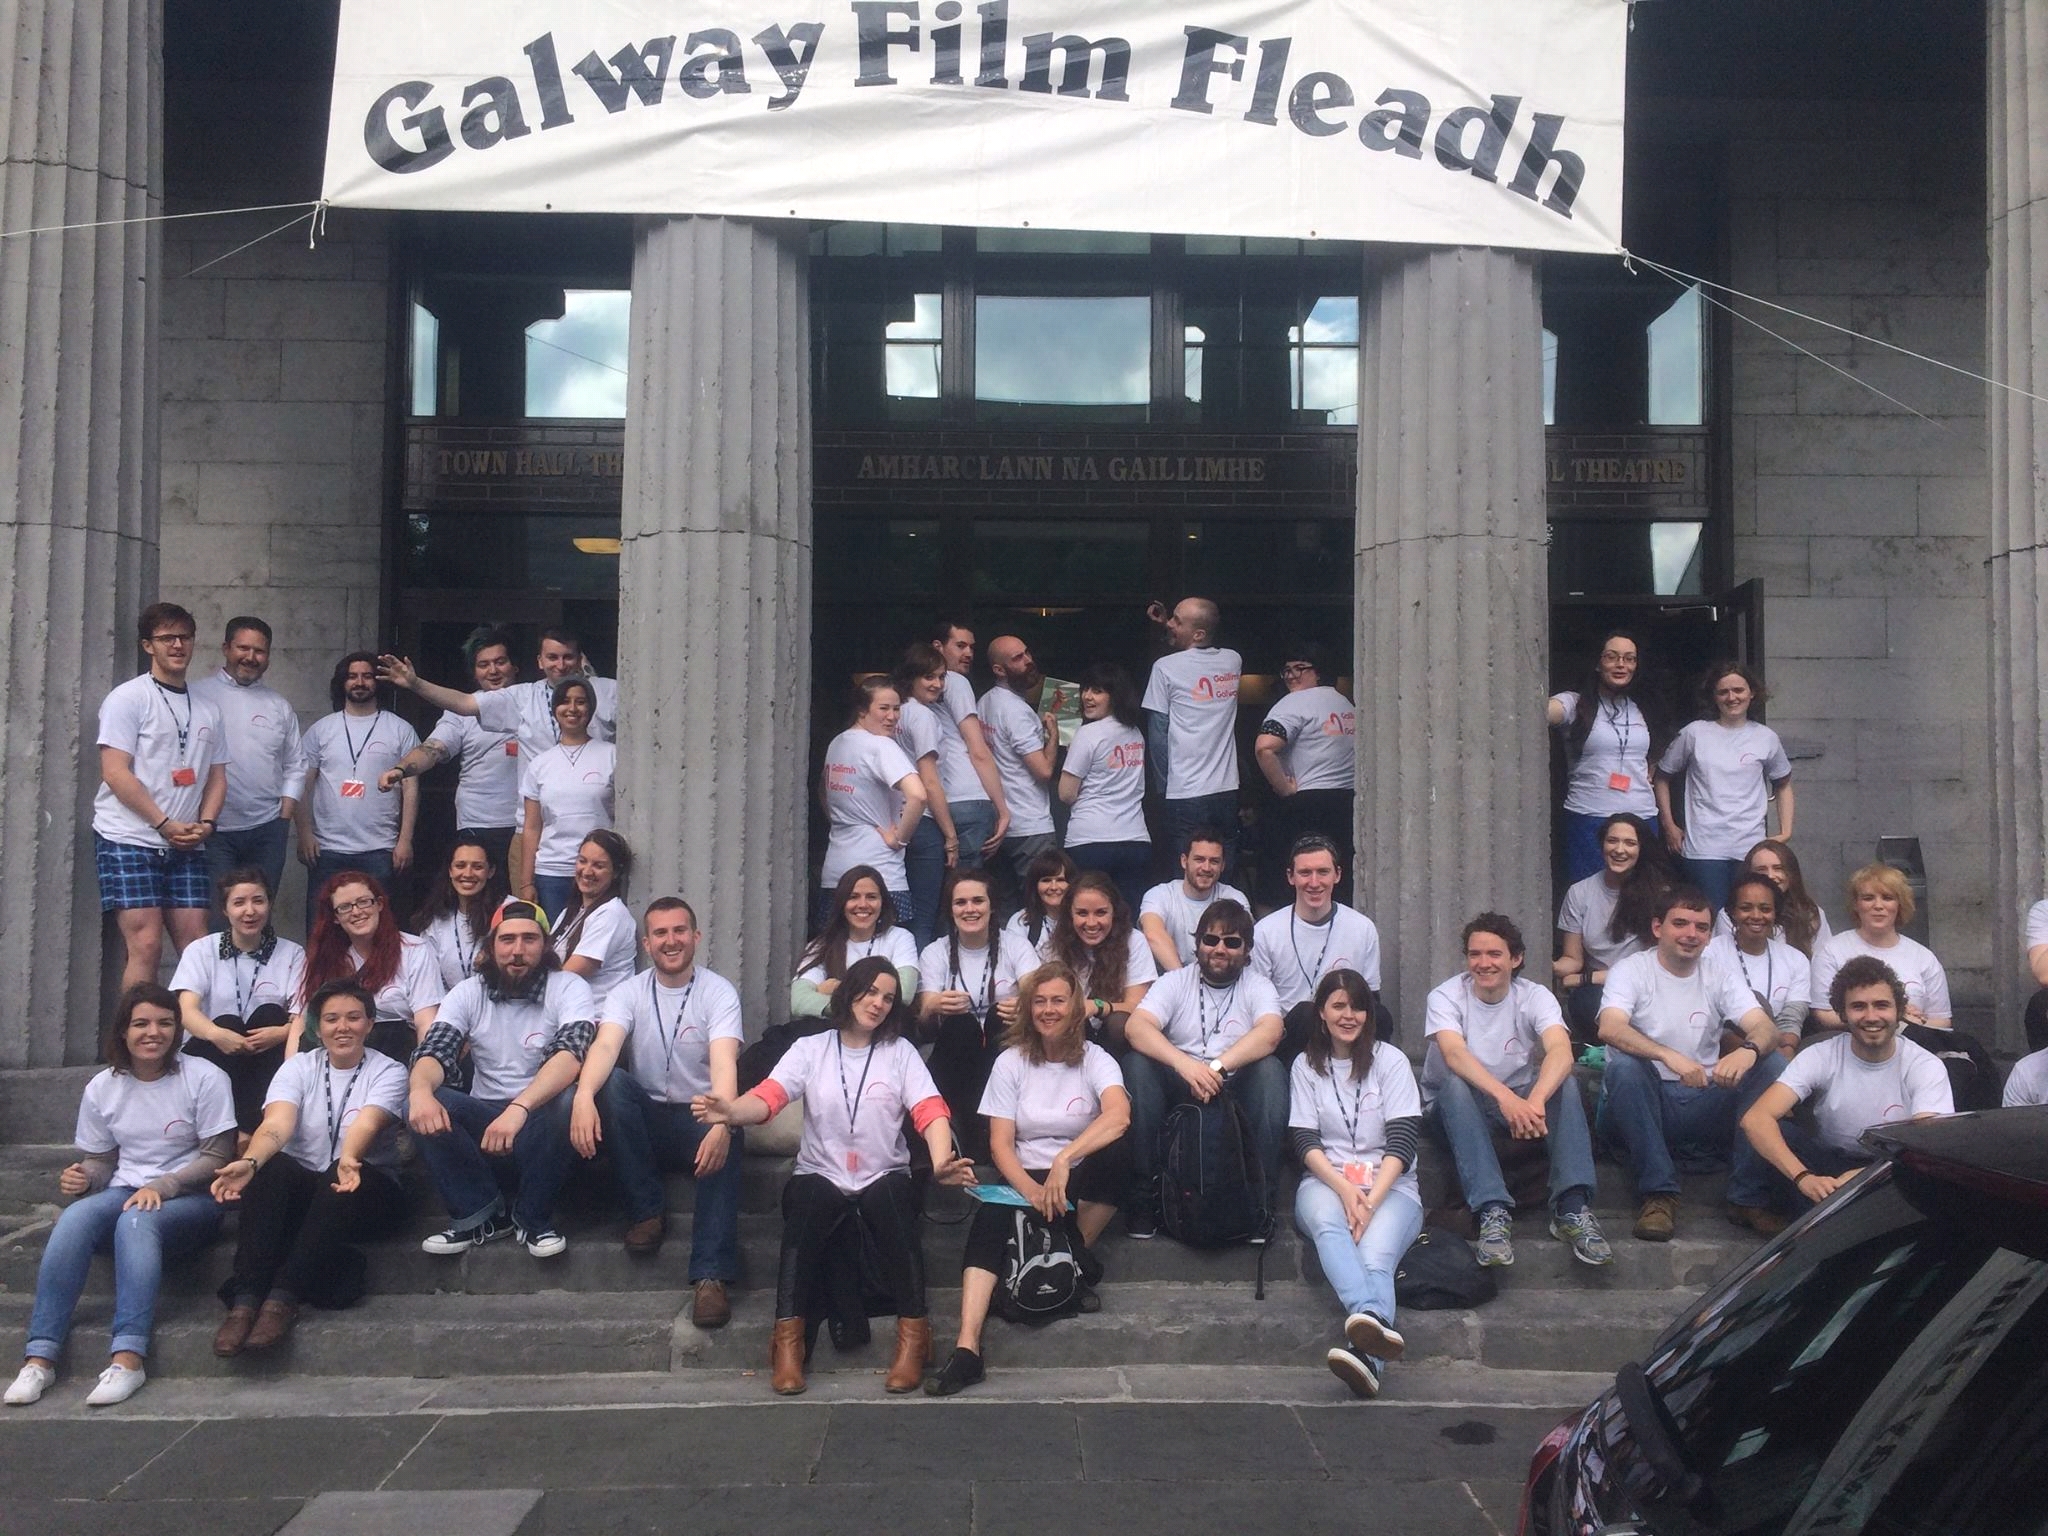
(675, 1030)
(182, 727)
(235, 967)
(987, 1004)
(1310, 977)
(1770, 969)
(465, 943)
(1357, 1105)
(1202, 991)
(1621, 721)
(853, 1101)
(355, 753)
(334, 1116)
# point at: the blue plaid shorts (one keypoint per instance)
(132, 876)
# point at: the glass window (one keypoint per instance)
(576, 365)
(912, 350)
(1675, 373)
(426, 361)
(1618, 558)
(1621, 352)
(1087, 351)
(575, 555)
(1059, 559)
(1549, 377)
(1304, 558)
(1060, 242)
(864, 558)
(1324, 376)
(1191, 362)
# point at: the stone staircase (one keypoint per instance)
(597, 1312)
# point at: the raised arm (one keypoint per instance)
(398, 671)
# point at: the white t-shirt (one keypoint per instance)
(265, 761)
(1683, 1013)
(1196, 690)
(1140, 969)
(454, 945)
(917, 733)
(1505, 1037)
(854, 1104)
(1850, 1095)
(526, 710)
(1728, 772)
(1781, 976)
(487, 793)
(1321, 731)
(669, 1031)
(956, 768)
(1012, 958)
(329, 1101)
(1206, 1021)
(508, 1041)
(1016, 927)
(2028, 1083)
(1013, 729)
(156, 1126)
(575, 788)
(417, 985)
(147, 720)
(897, 945)
(1170, 902)
(1724, 924)
(862, 770)
(1050, 1102)
(1108, 758)
(237, 983)
(1619, 742)
(2037, 924)
(610, 937)
(1295, 954)
(349, 753)
(1351, 1116)
(1588, 911)
(1911, 961)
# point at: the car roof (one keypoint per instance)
(2012, 1143)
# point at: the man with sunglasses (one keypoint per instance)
(1306, 748)
(163, 778)
(1205, 1029)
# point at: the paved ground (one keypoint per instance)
(650, 1454)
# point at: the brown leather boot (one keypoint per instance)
(786, 1357)
(913, 1354)
(274, 1320)
(234, 1332)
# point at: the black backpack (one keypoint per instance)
(1441, 1271)
(1041, 1278)
(1212, 1187)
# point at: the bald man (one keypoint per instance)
(1024, 744)
(1191, 727)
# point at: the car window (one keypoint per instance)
(1887, 1373)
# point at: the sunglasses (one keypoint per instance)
(1220, 941)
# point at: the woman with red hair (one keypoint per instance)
(356, 938)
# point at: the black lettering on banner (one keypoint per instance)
(493, 114)
(1273, 53)
(995, 43)
(1402, 130)
(634, 77)
(1313, 93)
(946, 45)
(791, 68)
(723, 69)
(871, 30)
(431, 127)
(1076, 66)
(1539, 156)
(547, 80)
(1199, 63)
(1484, 160)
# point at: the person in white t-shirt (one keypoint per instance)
(859, 1081)
(487, 806)
(238, 994)
(1057, 1112)
(967, 983)
(1801, 922)
(872, 798)
(163, 781)
(2037, 967)
(1316, 934)
(1095, 940)
(356, 937)
(266, 763)
(1355, 1117)
(1170, 911)
(1103, 779)
(1732, 768)
(568, 792)
(1307, 749)
(1605, 917)
(1191, 727)
(2028, 1082)
(1024, 744)
(860, 921)
(1046, 883)
(456, 915)
(594, 936)
(153, 1129)
(1208, 1028)
(934, 846)
(1667, 1083)
(669, 1034)
(526, 709)
(1863, 1077)
(320, 1175)
(974, 787)
(1500, 1058)
(1613, 732)
(348, 820)
(1778, 975)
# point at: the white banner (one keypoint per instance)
(1456, 122)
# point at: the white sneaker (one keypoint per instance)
(31, 1384)
(117, 1385)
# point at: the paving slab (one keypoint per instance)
(1195, 1442)
(283, 1458)
(1176, 1508)
(171, 1517)
(480, 1512)
(52, 1460)
(1426, 1444)
(654, 1447)
(999, 1442)
(893, 1509)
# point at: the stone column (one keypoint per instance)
(2016, 351)
(1453, 621)
(80, 109)
(715, 591)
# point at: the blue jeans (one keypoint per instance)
(924, 865)
(1360, 1271)
(1649, 1119)
(140, 1241)
(648, 1137)
(555, 893)
(1218, 811)
(975, 822)
(263, 846)
(1582, 844)
(1260, 1090)
(463, 1174)
(1467, 1118)
(1714, 876)
(1128, 864)
(327, 865)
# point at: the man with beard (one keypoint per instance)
(266, 765)
(1024, 746)
(347, 820)
(487, 807)
(524, 709)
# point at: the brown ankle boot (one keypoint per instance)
(786, 1371)
(913, 1354)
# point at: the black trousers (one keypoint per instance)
(296, 1234)
(249, 1073)
(850, 1255)
(1100, 1180)
(962, 1058)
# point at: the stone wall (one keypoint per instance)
(1867, 524)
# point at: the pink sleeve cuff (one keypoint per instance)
(771, 1093)
(924, 1112)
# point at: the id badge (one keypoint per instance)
(1358, 1173)
(184, 778)
(852, 1162)
(353, 789)
(1618, 781)
(512, 748)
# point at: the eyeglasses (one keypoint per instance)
(184, 639)
(1295, 669)
(1628, 656)
(1220, 941)
(351, 908)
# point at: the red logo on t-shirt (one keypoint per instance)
(593, 777)
(1340, 723)
(1078, 1106)
(172, 1125)
(1216, 688)
(1128, 754)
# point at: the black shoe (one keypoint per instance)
(956, 1375)
(1141, 1222)
(849, 1333)
(1090, 1264)
(1088, 1302)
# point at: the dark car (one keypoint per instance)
(1881, 1366)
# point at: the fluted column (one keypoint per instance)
(1453, 621)
(80, 114)
(715, 590)
(2017, 351)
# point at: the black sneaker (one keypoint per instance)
(957, 1374)
(1141, 1222)
(1357, 1372)
(453, 1241)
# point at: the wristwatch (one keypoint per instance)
(1216, 1065)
